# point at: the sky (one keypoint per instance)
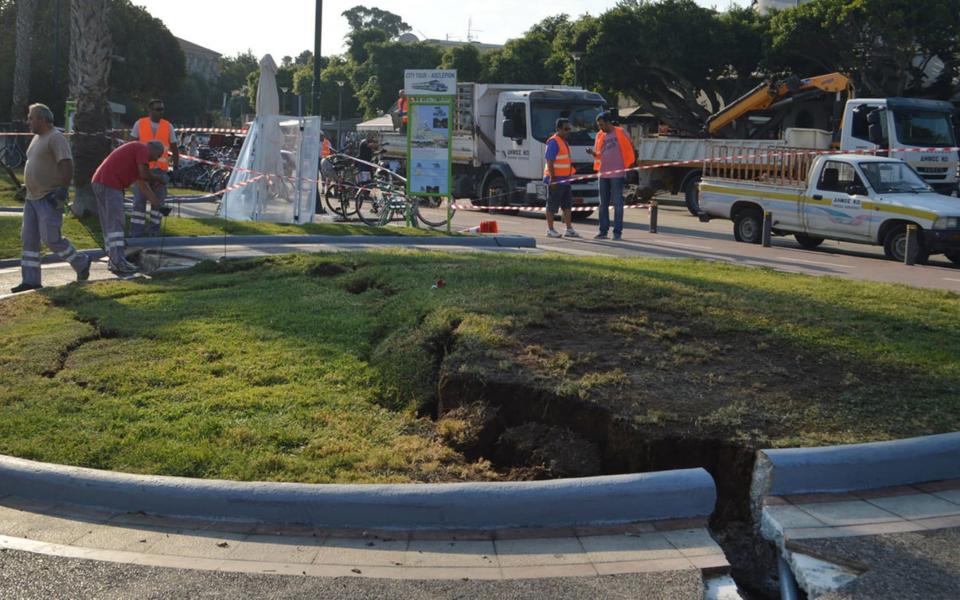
(285, 27)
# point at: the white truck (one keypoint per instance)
(499, 140)
(905, 123)
(848, 197)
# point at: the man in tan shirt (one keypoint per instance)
(47, 174)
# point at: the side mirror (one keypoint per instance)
(508, 129)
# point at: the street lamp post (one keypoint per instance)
(576, 55)
(283, 98)
(317, 29)
(339, 112)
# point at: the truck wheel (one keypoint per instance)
(494, 192)
(748, 226)
(953, 257)
(895, 244)
(581, 215)
(808, 241)
(691, 194)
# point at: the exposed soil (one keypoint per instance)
(625, 393)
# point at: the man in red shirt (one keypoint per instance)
(125, 166)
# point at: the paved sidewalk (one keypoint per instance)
(49, 551)
(507, 554)
(871, 544)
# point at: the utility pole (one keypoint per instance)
(317, 30)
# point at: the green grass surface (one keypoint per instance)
(313, 368)
(7, 189)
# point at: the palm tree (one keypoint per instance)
(90, 51)
(21, 69)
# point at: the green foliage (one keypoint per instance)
(378, 79)
(361, 17)
(153, 63)
(884, 44)
(466, 60)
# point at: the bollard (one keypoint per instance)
(767, 227)
(653, 216)
(910, 243)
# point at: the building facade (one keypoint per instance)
(765, 6)
(200, 61)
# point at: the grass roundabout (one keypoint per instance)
(352, 368)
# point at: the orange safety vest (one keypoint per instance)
(163, 135)
(563, 163)
(327, 149)
(626, 149)
(403, 106)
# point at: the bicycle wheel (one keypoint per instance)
(433, 212)
(12, 157)
(372, 208)
(338, 200)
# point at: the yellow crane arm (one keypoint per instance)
(766, 94)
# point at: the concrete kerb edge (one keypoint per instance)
(854, 467)
(171, 243)
(607, 500)
(501, 241)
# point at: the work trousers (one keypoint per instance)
(43, 223)
(611, 192)
(110, 211)
(139, 216)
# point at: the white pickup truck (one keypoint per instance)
(865, 199)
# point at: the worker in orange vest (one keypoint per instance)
(613, 155)
(403, 110)
(146, 129)
(556, 174)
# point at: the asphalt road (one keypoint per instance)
(25, 576)
(682, 235)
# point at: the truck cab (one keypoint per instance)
(919, 127)
(527, 119)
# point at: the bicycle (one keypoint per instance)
(383, 202)
(340, 196)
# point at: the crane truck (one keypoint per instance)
(905, 124)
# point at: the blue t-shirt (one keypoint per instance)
(553, 149)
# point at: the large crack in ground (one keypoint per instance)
(515, 407)
(528, 433)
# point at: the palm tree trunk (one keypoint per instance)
(21, 70)
(90, 51)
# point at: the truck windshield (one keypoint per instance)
(893, 177)
(928, 129)
(583, 117)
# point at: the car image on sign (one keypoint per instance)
(433, 86)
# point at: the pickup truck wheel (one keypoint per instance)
(691, 195)
(748, 226)
(953, 257)
(895, 244)
(808, 241)
(581, 215)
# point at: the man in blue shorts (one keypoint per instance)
(557, 174)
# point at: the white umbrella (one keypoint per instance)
(268, 101)
(268, 157)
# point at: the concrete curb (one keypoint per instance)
(605, 500)
(855, 466)
(493, 241)
(172, 243)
